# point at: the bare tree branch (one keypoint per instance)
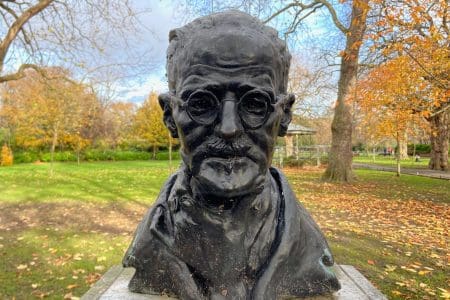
(440, 83)
(17, 26)
(333, 14)
(311, 6)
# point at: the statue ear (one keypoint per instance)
(287, 113)
(164, 102)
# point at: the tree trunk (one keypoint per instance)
(52, 149)
(397, 154)
(403, 147)
(439, 141)
(289, 141)
(154, 152)
(340, 157)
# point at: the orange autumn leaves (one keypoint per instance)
(412, 82)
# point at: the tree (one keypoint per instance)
(148, 124)
(419, 31)
(69, 33)
(311, 87)
(6, 156)
(117, 123)
(294, 13)
(390, 102)
(45, 113)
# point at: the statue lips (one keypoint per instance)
(229, 177)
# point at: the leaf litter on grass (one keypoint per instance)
(411, 230)
(69, 244)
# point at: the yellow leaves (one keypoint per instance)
(148, 124)
(22, 267)
(38, 107)
(99, 268)
(6, 156)
(71, 286)
(424, 272)
(78, 256)
(69, 296)
(390, 268)
(444, 293)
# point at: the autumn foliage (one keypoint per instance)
(38, 113)
(148, 124)
(6, 156)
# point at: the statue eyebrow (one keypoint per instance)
(246, 87)
(208, 86)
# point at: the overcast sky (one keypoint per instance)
(162, 18)
(159, 21)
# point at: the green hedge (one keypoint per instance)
(293, 162)
(25, 157)
(91, 155)
(420, 149)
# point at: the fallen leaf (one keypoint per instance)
(99, 268)
(423, 272)
(444, 293)
(72, 286)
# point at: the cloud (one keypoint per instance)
(158, 21)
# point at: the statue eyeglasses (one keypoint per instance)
(253, 108)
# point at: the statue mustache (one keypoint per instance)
(217, 147)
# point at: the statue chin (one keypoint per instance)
(228, 177)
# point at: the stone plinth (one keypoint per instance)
(113, 286)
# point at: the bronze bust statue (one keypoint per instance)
(227, 225)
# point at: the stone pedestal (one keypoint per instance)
(114, 286)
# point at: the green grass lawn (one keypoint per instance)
(88, 182)
(60, 233)
(392, 162)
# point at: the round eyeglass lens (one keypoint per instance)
(254, 108)
(202, 107)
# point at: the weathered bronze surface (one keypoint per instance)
(227, 225)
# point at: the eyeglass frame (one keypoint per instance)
(184, 104)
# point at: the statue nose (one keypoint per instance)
(230, 125)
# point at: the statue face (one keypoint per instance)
(227, 121)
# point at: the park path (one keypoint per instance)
(409, 171)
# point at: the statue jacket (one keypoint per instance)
(269, 248)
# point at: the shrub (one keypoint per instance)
(165, 155)
(26, 157)
(420, 149)
(92, 155)
(293, 162)
(59, 156)
(6, 156)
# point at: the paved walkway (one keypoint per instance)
(419, 172)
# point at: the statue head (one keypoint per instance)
(227, 101)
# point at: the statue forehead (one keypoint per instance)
(229, 48)
(202, 76)
(226, 45)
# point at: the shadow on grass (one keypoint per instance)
(52, 264)
(112, 218)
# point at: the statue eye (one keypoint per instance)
(202, 107)
(255, 103)
(254, 108)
